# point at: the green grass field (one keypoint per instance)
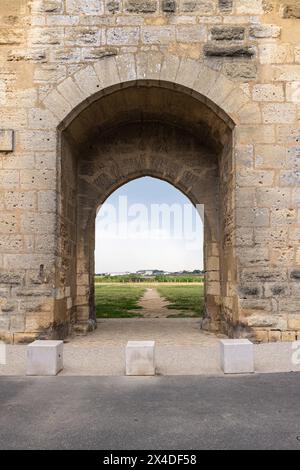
(187, 299)
(117, 301)
(121, 301)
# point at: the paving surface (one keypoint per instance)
(249, 412)
(181, 349)
(165, 331)
(179, 341)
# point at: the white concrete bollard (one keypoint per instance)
(140, 358)
(44, 357)
(237, 356)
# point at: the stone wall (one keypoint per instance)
(239, 58)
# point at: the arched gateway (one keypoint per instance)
(173, 118)
(135, 116)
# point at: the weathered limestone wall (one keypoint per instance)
(241, 56)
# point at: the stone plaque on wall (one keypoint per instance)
(6, 140)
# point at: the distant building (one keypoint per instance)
(119, 274)
(145, 272)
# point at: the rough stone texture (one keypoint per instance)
(240, 71)
(6, 140)
(213, 50)
(223, 77)
(228, 33)
(225, 5)
(291, 10)
(168, 6)
(264, 31)
(141, 6)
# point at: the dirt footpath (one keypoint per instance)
(155, 306)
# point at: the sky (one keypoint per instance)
(148, 224)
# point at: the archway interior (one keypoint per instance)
(147, 129)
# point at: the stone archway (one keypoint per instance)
(154, 129)
(238, 78)
(209, 107)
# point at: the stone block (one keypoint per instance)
(293, 92)
(126, 67)
(187, 73)
(261, 336)
(27, 55)
(98, 53)
(291, 10)
(45, 36)
(71, 92)
(113, 6)
(265, 31)
(11, 36)
(191, 33)
(255, 134)
(237, 356)
(140, 358)
(107, 72)
(250, 114)
(225, 5)
(242, 70)
(149, 65)
(295, 274)
(288, 336)
(47, 6)
(6, 140)
(274, 336)
(123, 36)
(56, 103)
(37, 179)
(244, 158)
(213, 50)
(262, 274)
(250, 177)
(44, 357)
(84, 7)
(270, 156)
(234, 101)
(158, 34)
(268, 92)
(227, 33)
(294, 321)
(141, 6)
(273, 197)
(84, 36)
(288, 72)
(279, 113)
(249, 7)
(87, 80)
(275, 53)
(168, 6)
(204, 7)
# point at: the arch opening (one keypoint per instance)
(140, 131)
(149, 243)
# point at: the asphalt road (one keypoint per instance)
(172, 413)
